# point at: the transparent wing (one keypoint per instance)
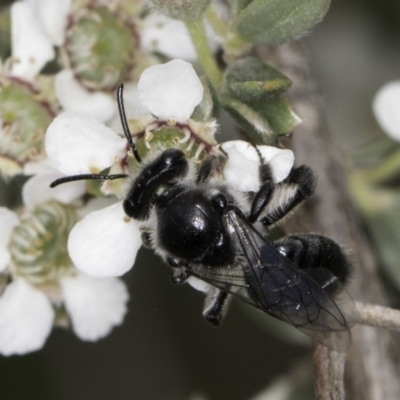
(310, 300)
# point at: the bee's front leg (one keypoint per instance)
(215, 306)
(178, 272)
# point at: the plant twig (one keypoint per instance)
(200, 41)
(329, 371)
(378, 316)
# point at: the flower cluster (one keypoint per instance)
(62, 249)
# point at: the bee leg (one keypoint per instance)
(264, 195)
(146, 239)
(215, 306)
(178, 273)
(310, 251)
(286, 195)
(206, 168)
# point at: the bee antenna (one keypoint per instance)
(86, 177)
(124, 122)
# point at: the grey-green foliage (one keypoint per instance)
(185, 10)
(278, 21)
(253, 97)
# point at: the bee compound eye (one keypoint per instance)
(129, 207)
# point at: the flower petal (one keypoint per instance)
(198, 284)
(95, 204)
(171, 90)
(242, 167)
(103, 244)
(75, 98)
(386, 107)
(53, 16)
(8, 220)
(95, 305)
(167, 36)
(26, 318)
(79, 144)
(31, 47)
(39, 167)
(37, 190)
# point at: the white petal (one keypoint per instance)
(198, 284)
(37, 190)
(79, 144)
(8, 220)
(30, 45)
(241, 169)
(26, 318)
(95, 305)
(53, 16)
(75, 98)
(103, 244)
(95, 204)
(171, 90)
(39, 167)
(386, 108)
(167, 36)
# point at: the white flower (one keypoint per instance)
(73, 97)
(170, 37)
(36, 25)
(104, 243)
(171, 90)
(386, 107)
(37, 190)
(79, 144)
(95, 305)
(26, 318)
(242, 167)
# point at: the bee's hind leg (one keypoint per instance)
(273, 202)
(215, 306)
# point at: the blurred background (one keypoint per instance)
(165, 350)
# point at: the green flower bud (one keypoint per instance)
(100, 48)
(24, 118)
(38, 245)
(184, 10)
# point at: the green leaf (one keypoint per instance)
(385, 231)
(278, 21)
(249, 79)
(376, 152)
(278, 113)
(263, 121)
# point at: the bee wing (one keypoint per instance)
(311, 300)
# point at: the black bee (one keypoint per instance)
(205, 229)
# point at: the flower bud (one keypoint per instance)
(184, 10)
(38, 245)
(100, 47)
(24, 118)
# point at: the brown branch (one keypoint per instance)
(329, 371)
(372, 362)
(378, 316)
